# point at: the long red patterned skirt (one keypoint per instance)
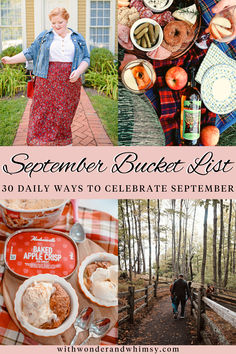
(53, 107)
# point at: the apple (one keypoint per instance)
(221, 21)
(176, 78)
(210, 135)
(214, 31)
(223, 31)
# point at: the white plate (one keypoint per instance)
(223, 104)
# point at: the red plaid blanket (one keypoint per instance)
(167, 102)
(100, 227)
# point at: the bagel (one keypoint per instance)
(190, 32)
(171, 48)
(175, 33)
(141, 76)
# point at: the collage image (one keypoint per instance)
(117, 272)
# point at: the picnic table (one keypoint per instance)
(140, 125)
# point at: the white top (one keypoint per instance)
(62, 49)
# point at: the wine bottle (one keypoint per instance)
(190, 117)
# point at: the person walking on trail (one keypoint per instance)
(173, 297)
(181, 291)
(60, 56)
(210, 290)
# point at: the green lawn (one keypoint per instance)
(11, 111)
(107, 109)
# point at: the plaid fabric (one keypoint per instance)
(169, 107)
(100, 227)
(224, 121)
(166, 102)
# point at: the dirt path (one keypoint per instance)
(159, 327)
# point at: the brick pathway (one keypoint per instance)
(87, 129)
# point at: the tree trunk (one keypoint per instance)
(214, 241)
(234, 249)
(228, 248)
(180, 233)
(129, 242)
(158, 239)
(132, 238)
(149, 241)
(124, 234)
(173, 237)
(191, 242)
(220, 242)
(137, 237)
(204, 243)
(183, 267)
(140, 235)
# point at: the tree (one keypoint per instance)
(228, 245)
(220, 242)
(149, 241)
(204, 242)
(214, 241)
(140, 234)
(184, 260)
(158, 240)
(234, 249)
(129, 242)
(123, 234)
(180, 234)
(173, 237)
(191, 242)
(137, 237)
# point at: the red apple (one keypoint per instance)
(210, 135)
(176, 78)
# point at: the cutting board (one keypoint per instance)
(11, 285)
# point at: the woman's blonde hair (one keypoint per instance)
(59, 11)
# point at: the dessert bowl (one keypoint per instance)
(17, 214)
(104, 291)
(21, 297)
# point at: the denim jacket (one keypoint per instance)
(39, 52)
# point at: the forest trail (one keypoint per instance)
(160, 328)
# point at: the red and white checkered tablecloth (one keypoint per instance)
(100, 227)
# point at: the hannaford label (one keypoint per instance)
(29, 253)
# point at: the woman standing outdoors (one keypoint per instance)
(60, 56)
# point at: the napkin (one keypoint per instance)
(213, 57)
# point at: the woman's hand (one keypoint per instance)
(6, 60)
(74, 76)
(16, 59)
(223, 4)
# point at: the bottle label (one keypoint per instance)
(191, 120)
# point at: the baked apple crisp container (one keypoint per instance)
(39, 251)
(40, 218)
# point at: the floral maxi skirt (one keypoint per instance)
(53, 107)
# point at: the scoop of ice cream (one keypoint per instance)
(105, 290)
(105, 283)
(36, 304)
(100, 274)
(113, 274)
